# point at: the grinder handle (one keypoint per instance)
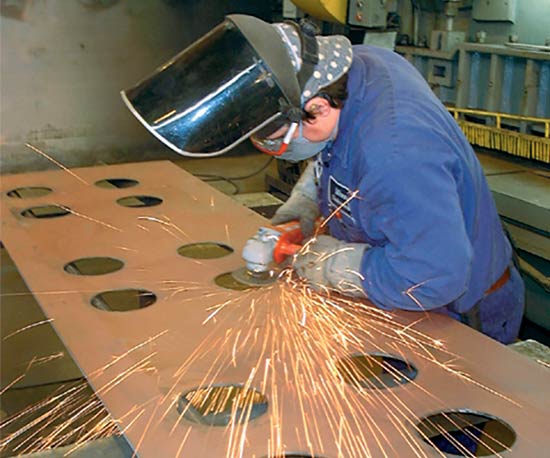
(289, 243)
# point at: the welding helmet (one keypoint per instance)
(236, 80)
(214, 94)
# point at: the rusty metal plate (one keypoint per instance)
(186, 332)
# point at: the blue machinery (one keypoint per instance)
(480, 83)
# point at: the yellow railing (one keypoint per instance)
(499, 138)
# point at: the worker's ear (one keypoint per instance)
(317, 107)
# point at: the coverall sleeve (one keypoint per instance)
(426, 261)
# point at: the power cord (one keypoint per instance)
(209, 177)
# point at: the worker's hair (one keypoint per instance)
(335, 94)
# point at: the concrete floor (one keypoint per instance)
(18, 308)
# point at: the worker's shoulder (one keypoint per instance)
(380, 79)
(384, 121)
(367, 51)
(388, 174)
(382, 60)
(409, 145)
(388, 73)
(394, 114)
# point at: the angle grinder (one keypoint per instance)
(266, 250)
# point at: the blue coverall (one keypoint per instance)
(423, 205)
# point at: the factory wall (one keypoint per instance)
(530, 24)
(63, 64)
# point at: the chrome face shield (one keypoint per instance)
(211, 96)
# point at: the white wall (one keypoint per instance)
(63, 64)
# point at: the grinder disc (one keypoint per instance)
(243, 275)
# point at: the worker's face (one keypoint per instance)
(320, 127)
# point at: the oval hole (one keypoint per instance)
(93, 266)
(139, 201)
(222, 404)
(45, 211)
(116, 183)
(466, 433)
(29, 192)
(227, 281)
(204, 250)
(123, 300)
(376, 371)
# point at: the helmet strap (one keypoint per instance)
(307, 31)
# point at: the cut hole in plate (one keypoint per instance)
(221, 405)
(466, 433)
(376, 370)
(123, 300)
(93, 266)
(116, 183)
(295, 455)
(227, 281)
(45, 211)
(139, 201)
(29, 192)
(204, 250)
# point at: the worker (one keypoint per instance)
(411, 222)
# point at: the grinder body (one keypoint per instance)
(271, 245)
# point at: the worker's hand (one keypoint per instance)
(298, 208)
(302, 204)
(328, 263)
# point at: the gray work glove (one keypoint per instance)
(328, 263)
(302, 204)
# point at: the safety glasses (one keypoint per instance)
(274, 146)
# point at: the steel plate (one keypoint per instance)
(146, 240)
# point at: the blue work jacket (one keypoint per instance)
(423, 203)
